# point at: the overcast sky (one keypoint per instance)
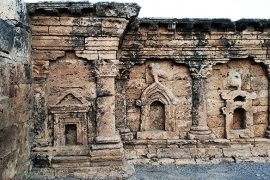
(233, 9)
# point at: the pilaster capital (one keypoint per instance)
(105, 68)
(201, 71)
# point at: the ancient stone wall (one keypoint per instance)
(75, 63)
(15, 91)
(219, 72)
(109, 87)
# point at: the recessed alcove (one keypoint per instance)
(238, 113)
(157, 116)
(239, 119)
(70, 134)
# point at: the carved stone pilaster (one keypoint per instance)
(199, 129)
(106, 73)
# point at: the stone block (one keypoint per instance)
(141, 151)
(188, 161)
(69, 21)
(106, 55)
(112, 9)
(259, 130)
(140, 161)
(131, 154)
(117, 23)
(40, 30)
(112, 32)
(157, 135)
(86, 31)
(45, 20)
(106, 152)
(222, 160)
(47, 55)
(219, 132)
(215, 109)
(197, 152)
(101, 43)
(133, 121)
(174, 153)
(91, 21)
(89, 55)
(203, 161)
(58, 42)
(166, 161)
(260, 118)
(260, 151)
(60, 30)
(214, 152)
(251, 160)
(259, 82)
(237, 152)
(216, 121)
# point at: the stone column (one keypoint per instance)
(199, 129)
(106, 132)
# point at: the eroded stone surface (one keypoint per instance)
(15, 91)
(104, 87)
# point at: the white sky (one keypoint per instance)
(233, 9)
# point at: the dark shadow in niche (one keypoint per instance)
(239, 119)
(157, 116)
(240, 98)
(71, 134)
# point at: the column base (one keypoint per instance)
(114, 139)
(199, 133)
(107, 154)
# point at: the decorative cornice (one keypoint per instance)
(100, 9)
(202, 25)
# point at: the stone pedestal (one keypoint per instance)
(199, 129)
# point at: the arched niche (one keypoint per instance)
(157, 98)
(157, 94)
(157, 116)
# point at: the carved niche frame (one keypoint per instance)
(157, 92)
(232, 103)
(66, 114)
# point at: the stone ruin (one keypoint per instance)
(88, 90)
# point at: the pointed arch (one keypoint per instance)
(157, 93)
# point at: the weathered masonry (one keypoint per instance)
(88, 90)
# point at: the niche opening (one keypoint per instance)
(239, 119)
(70, 134)
(157, 116)
(240, 98)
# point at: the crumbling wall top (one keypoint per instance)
(100, 9)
